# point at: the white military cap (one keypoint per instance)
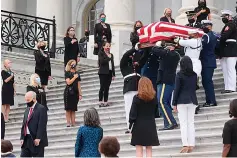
(207, 22)
(226, 12)
(193, 31)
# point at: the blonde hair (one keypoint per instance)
(40, 42)
(166, 10)
(68, 66)
(146, 90)
(4, 63)
(32, 79)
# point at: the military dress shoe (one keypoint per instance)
(227, 91)
(170, 127)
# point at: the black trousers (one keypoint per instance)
(29, 150)
(105, 81)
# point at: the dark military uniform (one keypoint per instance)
(208, 60)
(228, 55)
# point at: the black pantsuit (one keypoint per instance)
(105, 81)
(106, 72)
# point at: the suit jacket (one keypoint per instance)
(168, 65)
(37, 124)
(104, 63)
(127, 67)
(42, 62)
(207, 55)
(165, 19)
(185, 89)
(100, 31)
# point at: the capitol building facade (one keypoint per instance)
(121, 14)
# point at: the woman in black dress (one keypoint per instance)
(42, 65)
(133, 35)
(202, 11)
(102, 33)
(142, 118)
(35, 87)
(8, 89)
(72, 93)
(230, 133)
(71, 46)
(106, 73)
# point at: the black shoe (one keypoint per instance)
(101, 105)
(176, 126)
(213, 104)
(127, 132)
(206, 105)
(170, 127)
(227, 91)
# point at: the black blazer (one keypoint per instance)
(100, 31)
(40, 95)
(104, 63)
(134, 38)
(165, 19)
(42, 62)
(185, 89)
(37, 124)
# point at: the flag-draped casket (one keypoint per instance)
(163, 31)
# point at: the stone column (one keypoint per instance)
(190, 5)
(120, 16)
(8, 5)
(50, 8)
(120, 13)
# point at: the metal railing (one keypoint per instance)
(23, 31)
(82, 50)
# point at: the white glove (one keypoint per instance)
(159, 44)
(176, 40)
(136, 46)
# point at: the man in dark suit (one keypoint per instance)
(34, 128)
(167, 16)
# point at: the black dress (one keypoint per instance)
(71, 93)
(7, 89)
(40, 94)
(142, 118)
(71, 50)
(230, 136)
(42, 66)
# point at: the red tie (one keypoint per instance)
(26, 125)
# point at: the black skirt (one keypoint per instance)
(70, 100)
(44, 76)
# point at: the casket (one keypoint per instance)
(163, 31)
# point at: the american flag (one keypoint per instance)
(164, 31)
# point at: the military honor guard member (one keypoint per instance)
(165, 82)
(130, 66)
(228, 51)
(208, 60)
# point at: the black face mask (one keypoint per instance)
(205, 30)
(191, 20)
(42, 47)
(202, 4)
(73, 66)
(137, 28)
(87, 33)
(30, 104)
(225, 20)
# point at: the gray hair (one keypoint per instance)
(91, 118)
(32, 94)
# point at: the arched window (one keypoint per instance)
(94, 14)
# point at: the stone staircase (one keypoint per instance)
(209, 122)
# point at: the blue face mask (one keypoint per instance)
(37, 80)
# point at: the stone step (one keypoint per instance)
(119, 122)
(56, 116)
(70, 134)
(213, 154)
(125, 144)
